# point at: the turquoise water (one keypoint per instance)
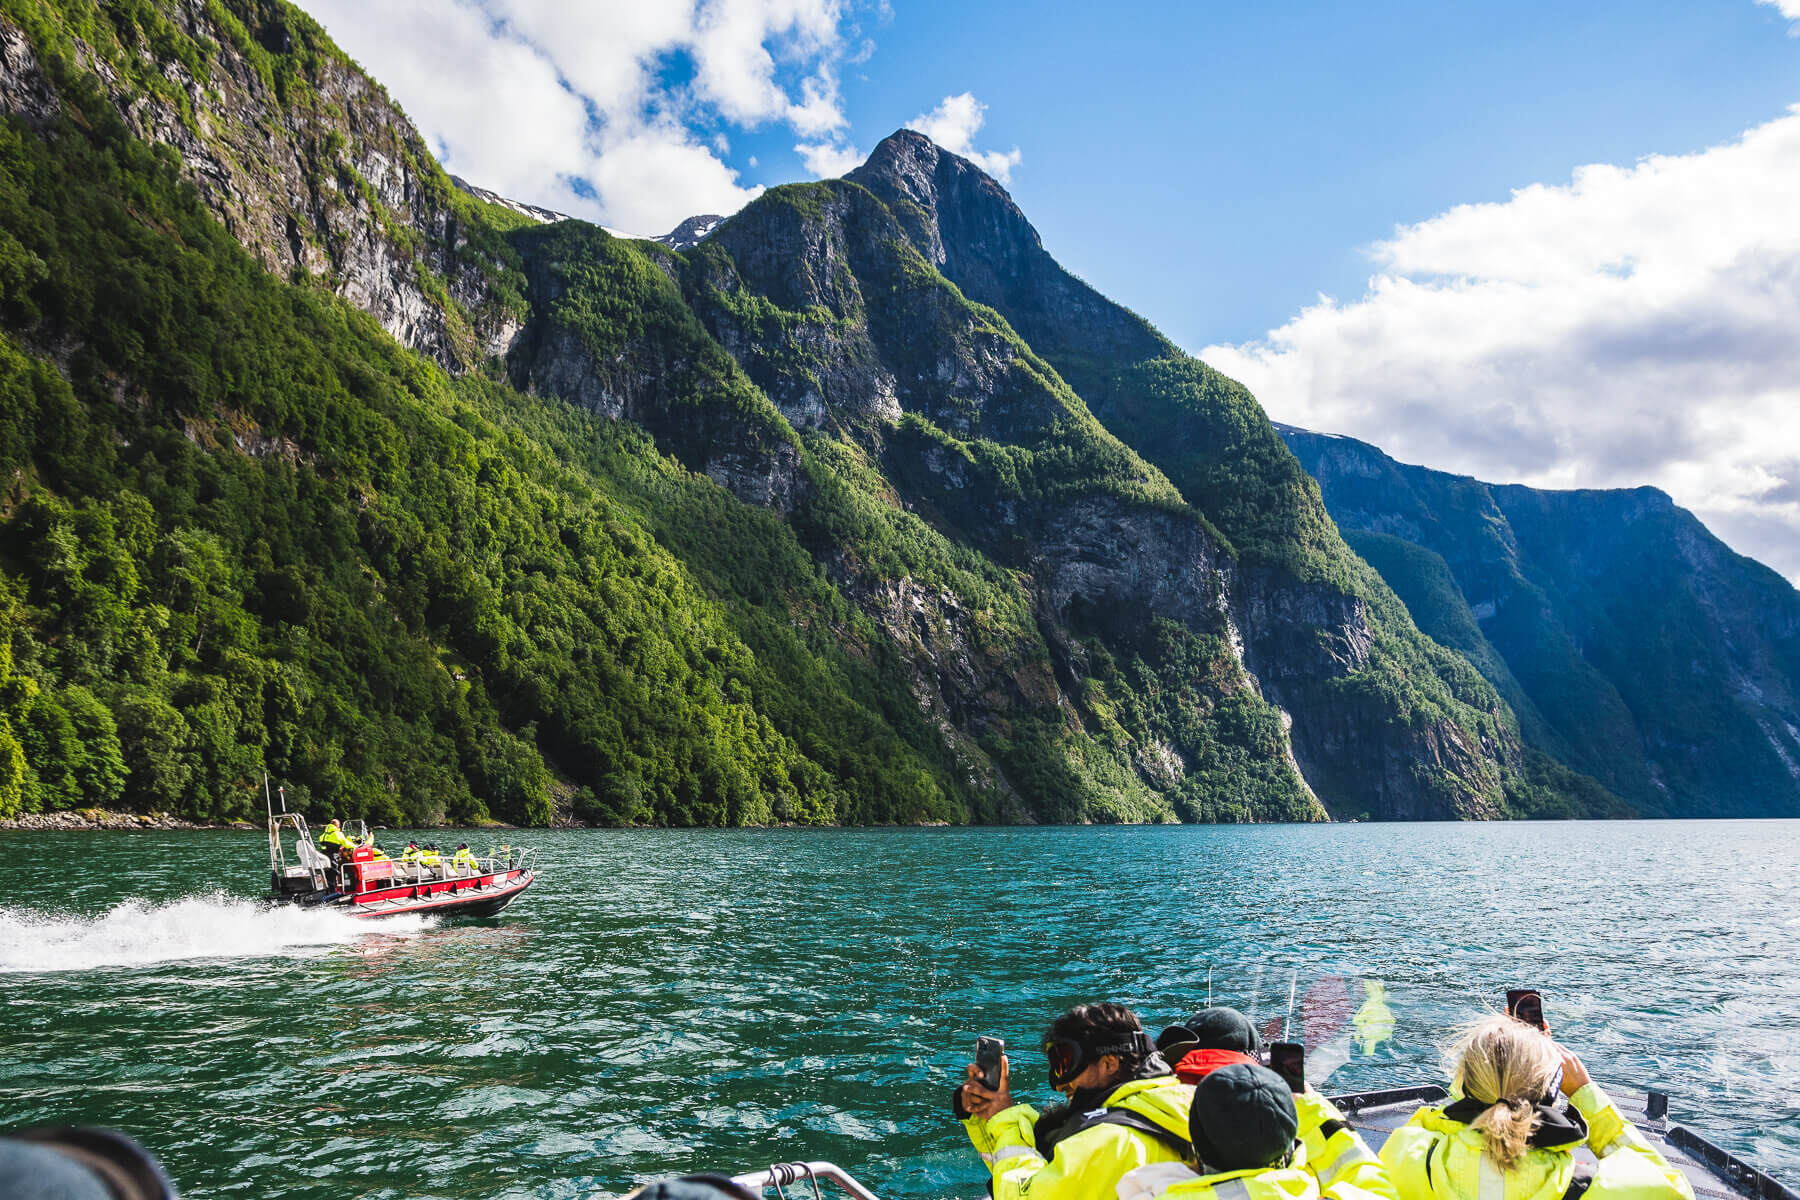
(665, 1001)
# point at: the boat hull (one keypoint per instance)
(472, 896)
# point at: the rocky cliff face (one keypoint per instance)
(303, 158)
(1309, 632)
(1640, 649)
(1108, 588)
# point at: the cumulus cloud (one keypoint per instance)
(828, 160)
(571, 105)
(1789, 9)
(1637, 325)
(954, 124)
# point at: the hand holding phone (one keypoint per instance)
(988, 1052)
(1288, 1060)
(1527, 1005)
(985, 1091)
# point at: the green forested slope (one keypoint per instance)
(1636, 647)
(244, 530)
(310, 464)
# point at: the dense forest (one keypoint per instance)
(545, 524)
(244, 531)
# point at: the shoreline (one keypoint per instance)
(99, 818)
(73, 819)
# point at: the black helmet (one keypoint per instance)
(1217, 1028)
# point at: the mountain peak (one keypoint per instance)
(691, 232)
(947, 203)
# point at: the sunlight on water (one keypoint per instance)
(668, 1001)
(135, 934)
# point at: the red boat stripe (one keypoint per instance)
(421, 907)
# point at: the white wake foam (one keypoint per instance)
(135, 934)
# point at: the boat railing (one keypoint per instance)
(405, 873)
(786, 1174)
(511, 858)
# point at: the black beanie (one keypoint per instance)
(1210, 1029)
(1242, 1117)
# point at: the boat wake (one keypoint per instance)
(136, 934)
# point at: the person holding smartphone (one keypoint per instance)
(1124, 1110)
(1505, 1134)
(1245, 1130)
(1336, 1155)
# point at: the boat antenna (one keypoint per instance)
(268, 802)
(1209, 1002)
(1293, 982)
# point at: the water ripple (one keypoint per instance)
(669, 1001)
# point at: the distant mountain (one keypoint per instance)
(858, 508)
(691, 232)
(685, 236)
(544, 216)
(1634, 645)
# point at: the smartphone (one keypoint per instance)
(1527, 1005)
(1288, 1060)
(987, 1058)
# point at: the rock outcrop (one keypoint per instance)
(1088, 573)
(307, 162)
(1636, 647)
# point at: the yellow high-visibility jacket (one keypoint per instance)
(1085, 1164)
(1435, 1158)
(1335, 1154)
(1178, 1180)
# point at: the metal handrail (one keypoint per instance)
(784, 1174)
(409, 874)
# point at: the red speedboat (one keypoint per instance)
(365, 883)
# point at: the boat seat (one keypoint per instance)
(310, 856)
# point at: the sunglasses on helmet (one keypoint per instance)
(1069, 1058)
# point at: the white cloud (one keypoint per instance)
(1638, 325)
(1789, 9)
(567, 105)
(954, 124)
(827, 160)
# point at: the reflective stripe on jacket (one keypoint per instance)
(1180, 1180)
(1434, 1158)
(1085, 1164)
(1336, 1156)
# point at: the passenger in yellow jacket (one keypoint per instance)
(1244, 1126)
(334, 840)
(1505, 1140)
(1124, 1110)
(1334, 1153)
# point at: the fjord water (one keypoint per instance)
(668, 1001)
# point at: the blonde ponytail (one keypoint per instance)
(1508, 1127)
(1508, 1066)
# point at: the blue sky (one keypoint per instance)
(1542, 243)
(1215, 165)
